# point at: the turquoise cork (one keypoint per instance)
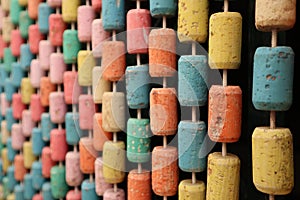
(37, 141)
(26, 57)
(44, 11)
(10, 120)
(46, 190)
(190, 140)
(71, 46)
(5, 187)
(3, 75)
(24, 22)
(17, 74)
(15, 9)
(113, 15)
(37, 177)
(9, 89)
(1, 168)
(192, 80)
(73, 132)
(12, 182)
(29, 191)
(138, 140)
(11, 153)
(159, 8)
(8, 59)
(137, 86)
(88, 190)
(46, 126)
(59, 187)
(273, 78)
(19, 192)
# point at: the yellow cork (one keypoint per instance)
(11, 197)
(69, 10)
(190, 191)
(223, 177)
(86, 63)
(1, 193)
(225, 40)
(192, 20)
(272, 159)
(5, 4)
(5, 133)
(7, 27)
(100, 85)
(23, 2)
(26, 90)
(114, 161)
(5, 162)
(29, 157)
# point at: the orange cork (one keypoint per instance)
(162, 52)
(139, 185)
(47, 162)
(33, 8)
(163, 111)
(113, 60)
(224, 113)
(100, 136)
(165, 171)
(88, 155)
(20, 169)
(46, 88)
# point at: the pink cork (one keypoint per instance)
(86, 112)
(57, 68)
(2, 46)
(54, 3)
(17, 137)
(101, 185)
(74, 176)
(17, 106)
(36, 107)
(85, 17)
(72, 90)
(34, 38)
(110, 194)
(47, 162)
(56, 29)
(73, 195)
(27, 123)
(4, 104)
(15, 42)
(99, 35)
(45, 50)
(100, 136)
(58, 144)
(57, 107)
(36, 73)
(37, 197)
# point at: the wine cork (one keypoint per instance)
(113, 60)
(24, 22)
(113, 112)
(19, 191)
(101, 185)
(26, 90)
(164, 171)
(275, 175)
(88, 155)
(5, 134)
(59, 187)
(26, 57)
(99, 35)
(162, 52)
(11, 196)
(69, 10)
(113, 15)
(138, 29)
(16, 42)
(189, 191)
(100, 85)
(137, 86)
(35, 73)
(47, 162)
(114, 162)
(139, 185)
(46, 191)
(46, 87)
(97, 4)
(73, 195)
(45, 50)
(225, 33)
(224, 113)
(3, 75)
(5, 187)
(57, 68)
(163, 111)
(3, 44)
(37, 197)
(192, 80)
(29, 157)
(37, 141)
(27, 123)
(36, 107)
(33, 8)
(223, 176)
(162, 8)
(192, 21)
(273, 73)
(85, 17)
(57, 27)
(73, 131)
(5, 5)
(57, 107)
(72, 89)
(275, 15)
(4, 103)
(17, 137)
(58, 144)
(7, 28)
(15, 9)
(111, 194)
(55, 3)
(17, 74)
(11, 153)
(44, 11)
(71, 46)
(9, 89)
(20, 169)
(46, 126)
(34, 37)
(86, 63)
(37, 177)
(8, 59)
(12, 182)
(88, 190)
(5, 162)
(10, 120)
(74, 176)
(100, 136)
(87, 110)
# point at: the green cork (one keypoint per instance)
(8, 59)
(71, 46)
(24, 22)
(15, 9)
(59, 187)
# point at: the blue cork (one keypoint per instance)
(137, 86)
(192, 80)
(19, 192)
(46, 126)
(273, 78)
(29, 191)
(138, 140)
(44, 11)
(71, 46)
(15, 9)
(25, 57)
(1, 170)
(73, 132)
(113, 14)
(190, 140)
(11, 153)
(10, 120)
(37, 176)
(88, 190)
(46, 190)
(17, 74)
(9, 89)
(159, 8)
(24, 22)
(12, 182)
(37, 141)
(3, 75)
(8, 59)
